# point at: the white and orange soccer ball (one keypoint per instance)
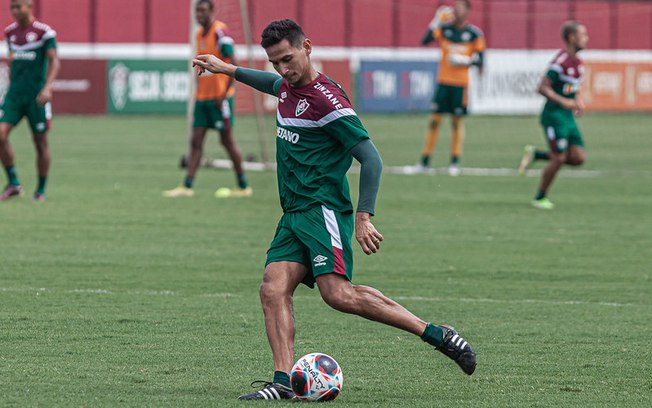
(316, 377)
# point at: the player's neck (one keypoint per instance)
(459, 24)
(26, 22)
(208, 25)
(571, 51)
(314, 74)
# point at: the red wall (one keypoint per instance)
(385, 23)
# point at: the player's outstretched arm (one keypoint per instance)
(260, 80)
(371, 167)
(210, 63)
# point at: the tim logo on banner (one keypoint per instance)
(396, 86)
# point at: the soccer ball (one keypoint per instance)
(316, 377)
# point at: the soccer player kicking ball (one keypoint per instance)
(318, 134)
(561, 87)
(34, 67)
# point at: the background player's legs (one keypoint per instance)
(367, 302)
(279, 283)
(194, 154)
(549, 173)
(458, 139)
(7, 153)
(233, 150)
(431, 138)
(13, 187)
(42, 161)
(575, 155)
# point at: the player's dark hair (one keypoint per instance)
(280, 30)
(209, 2)
(467, 3)
(568, 28)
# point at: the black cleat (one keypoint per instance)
(270, 391)
(458, 349)
(183, 162)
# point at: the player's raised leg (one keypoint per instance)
(13, 187)
(42, 163)
(367, 302)
(279, 283)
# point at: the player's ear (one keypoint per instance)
(307, 46)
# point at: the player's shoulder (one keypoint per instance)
(45, 30)
(220, 28)
(561, 57)
(329, 94)
(11, 27)
(475, 31)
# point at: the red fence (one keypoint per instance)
(521, 24)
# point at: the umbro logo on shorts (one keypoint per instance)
(319, 260)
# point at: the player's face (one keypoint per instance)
(292, 63)
(580, 38)
(203, 14)
(460, 11)
(21, 9)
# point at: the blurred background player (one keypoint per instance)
(34, 67)
(561, 87)
(213, 106)
(462, 45)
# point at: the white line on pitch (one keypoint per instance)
(465, 171)
(514, 301)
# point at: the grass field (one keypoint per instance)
(114, 296)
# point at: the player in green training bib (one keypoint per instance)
(561, 87)
(317, 136)
(34, 67)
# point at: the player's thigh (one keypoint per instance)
(202, 115)
(39, 117)
(218, 115)
(556, 135)
(575, 136)
(12, 110)
(327, 236)
(441, 100)
(283, 277)
(286, 247)
(459, 100)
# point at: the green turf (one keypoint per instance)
(114, 296)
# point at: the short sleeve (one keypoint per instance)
(225, 42)
(347, 128)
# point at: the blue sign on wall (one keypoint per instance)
(396, 86)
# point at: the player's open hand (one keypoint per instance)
(366, 234)
(44, 96)
(211, 63)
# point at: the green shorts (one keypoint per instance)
(450, 99)
(318, 238)
(561, 130)
(208, 115)
(15, 106)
